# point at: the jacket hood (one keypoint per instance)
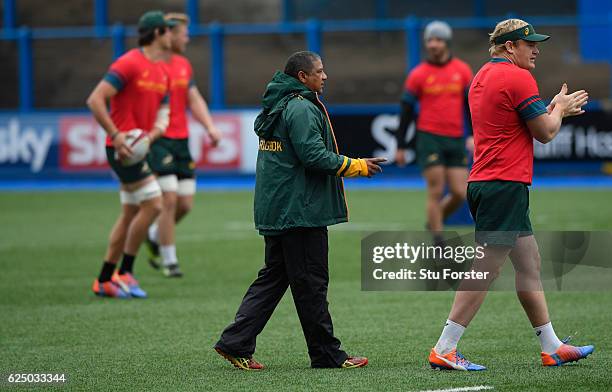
(281, 89)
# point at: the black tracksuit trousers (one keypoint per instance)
(297, 259)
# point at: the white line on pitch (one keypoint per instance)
(461, 389)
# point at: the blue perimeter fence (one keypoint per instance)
(247, 183)
(594, 19)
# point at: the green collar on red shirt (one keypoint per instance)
(500, 60)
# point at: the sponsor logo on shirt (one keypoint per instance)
(443, 88)
(151, 86)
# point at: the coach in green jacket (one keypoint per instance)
(299, 191)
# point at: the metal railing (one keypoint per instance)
(312, 29)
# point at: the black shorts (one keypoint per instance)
(172, 156)
(127, 174)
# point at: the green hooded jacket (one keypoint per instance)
(299, 171)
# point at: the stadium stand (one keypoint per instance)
(64, 69)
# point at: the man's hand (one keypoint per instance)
(123, 150)
(400, 157)
(154, 134)
(571, 104)
(544, 128)
(215, 136)
(469, 144)
(373, 167)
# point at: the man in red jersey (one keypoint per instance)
(170, 158)
(137, 87)
(507, 114)
(440, 86)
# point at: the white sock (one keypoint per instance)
(154, 232)
(168, 254)
(450, 337)
(548, 338)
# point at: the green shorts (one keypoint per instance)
(172, 156)
(434, 150)
(127, 174)
(500, 210)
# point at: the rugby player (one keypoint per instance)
(170, 158)
(507, 114)
(137, 87)
(439, 85)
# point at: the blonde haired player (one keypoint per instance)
(137, 87)
(507, 114)
(170, 158)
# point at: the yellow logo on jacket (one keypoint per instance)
(270, 145)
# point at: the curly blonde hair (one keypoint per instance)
(503, 27)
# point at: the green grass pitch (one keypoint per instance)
(51, 248)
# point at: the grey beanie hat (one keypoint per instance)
(438, 29)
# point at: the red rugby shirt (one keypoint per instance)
(502, 97)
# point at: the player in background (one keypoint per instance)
(170, 158)
(137, 87)
(507, 114)
(439, 85)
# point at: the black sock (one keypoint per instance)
(107, 272)
(127, 264)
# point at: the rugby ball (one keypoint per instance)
(139, 143)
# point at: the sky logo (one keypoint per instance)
(24, 144)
